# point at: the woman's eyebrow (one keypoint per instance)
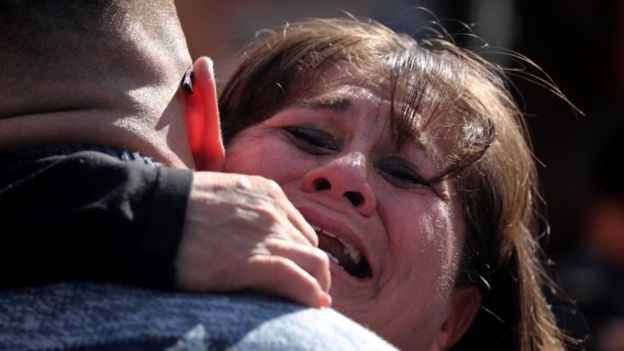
(333, 103)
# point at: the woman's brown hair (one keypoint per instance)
(462, 100)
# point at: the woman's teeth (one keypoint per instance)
(347, 249)
(344, 254)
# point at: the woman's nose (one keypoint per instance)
(344, 178)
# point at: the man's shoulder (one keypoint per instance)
(85, 315)
(56, 152)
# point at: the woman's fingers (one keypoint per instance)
(313, 261)
(281, 276)
(303, 227)
(241, 232)
(290, 213)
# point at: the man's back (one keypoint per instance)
(87, 316)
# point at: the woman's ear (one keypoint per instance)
(202, 117)
(465, 303)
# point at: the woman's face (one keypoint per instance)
(394, 240)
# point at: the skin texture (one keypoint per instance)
(241, 232)
(341, 169)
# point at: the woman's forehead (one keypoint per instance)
(342, 96)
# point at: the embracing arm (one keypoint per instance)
(90, 216)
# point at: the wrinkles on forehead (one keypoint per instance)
(429, 103)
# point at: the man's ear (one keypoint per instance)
(202, 117)
(465, 303)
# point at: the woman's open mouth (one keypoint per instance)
(344, 254)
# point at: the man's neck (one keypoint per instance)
(157, 134)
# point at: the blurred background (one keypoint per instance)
(580, 44)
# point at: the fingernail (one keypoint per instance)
(326, 300)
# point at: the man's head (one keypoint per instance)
(109, 70)
(90, 45)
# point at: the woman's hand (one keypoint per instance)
(241, 232)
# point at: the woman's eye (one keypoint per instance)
(400, 173)
(312, 140)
